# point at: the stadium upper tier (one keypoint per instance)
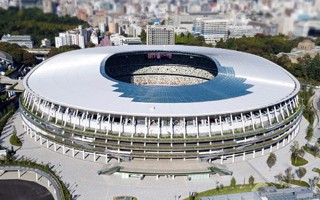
(126, 80)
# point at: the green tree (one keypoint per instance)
(296, 151)
(271, 161)
(309, 134)
(62, 49)
(251, 181)
(301, 171)
(143, 36)
(14, 139)
(288, 175)
(316, 150)
(32, 21)
(233, 182)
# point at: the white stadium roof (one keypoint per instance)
(75, 79)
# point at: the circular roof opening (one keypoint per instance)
(161, 68)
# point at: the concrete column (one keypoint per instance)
(49, 184)
(146, 125)
(231, 119)
(270, 148)
(133, 126)
(242, 120)
(171, 125)
(197, 125)
(233, 158)
(275, 113)
(19, 174)
(261, 119)
(159, 127)
(244, 156)
(94, 156)
(278, 145)
(108, 124)
(262, 151)
(83, 155)
(120, 126)
(47, 144)
(221, 126)
(72, 152)
(209, 125)
(282, 111)
(37, 178)
(55, 146)
(185, 128)
(269, 117)
(221, 160)
(106, 158)
(252, 121)
(254, 154)
(63, 149)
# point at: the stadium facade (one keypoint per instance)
(161, 102)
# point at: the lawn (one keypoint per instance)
(225, 190)
(300, 161)
(14, 140)
(299, 183)
(317, 170)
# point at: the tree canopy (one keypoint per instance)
(262, 45)
(19, 55)
(62, 49)
(32, 21)
(271, 161)
(191, 40)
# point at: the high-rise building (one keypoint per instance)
(73, 37)
(160, 35)
(211, 29)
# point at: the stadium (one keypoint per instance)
(161, 102)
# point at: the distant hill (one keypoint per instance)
(34, 22)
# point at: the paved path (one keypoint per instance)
(86, 184)
(316, 106)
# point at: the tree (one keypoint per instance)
(271, 161)
(233, 182)
(316, 149)
(309, 134)
(62, 49)
(296, 152)
(288, 175)
(143, 36)
(301, 171)
(251, 181)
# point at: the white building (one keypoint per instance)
(239, 30)
(134, 30)
(45, 43)
(160, 35)
(21, 40)
(211, 29)
(179, 30)
(73, 37)
(119, 40)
